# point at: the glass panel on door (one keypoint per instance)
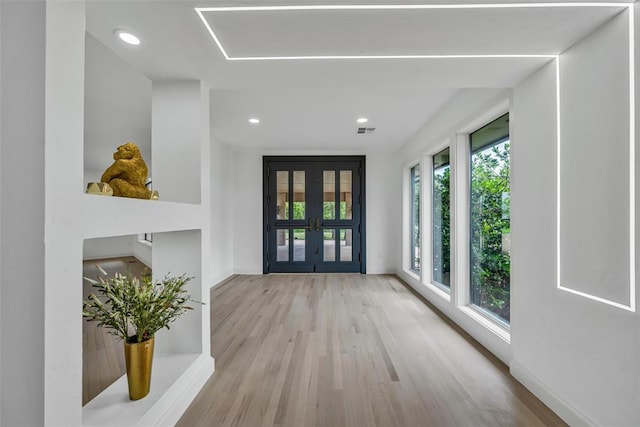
(346, 245)
(329, 245)
(299, 207)
(329, 195)
(299, 244)
(282, 245)
(346, 195)
(282, 195)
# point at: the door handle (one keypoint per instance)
(318, 224)
(310, 226)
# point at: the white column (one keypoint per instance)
(22, 77)
(176, 140)
(64, 219)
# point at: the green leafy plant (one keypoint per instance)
(135, 309)
(490, 225)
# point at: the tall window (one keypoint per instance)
(441, 219)
(490, 219)
(415, 218)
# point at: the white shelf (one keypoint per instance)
(116, 216)
(175, 381)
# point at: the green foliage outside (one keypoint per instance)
(298, 210)
(328, 210)
(135, 309)
(490, 228)
(442, 225)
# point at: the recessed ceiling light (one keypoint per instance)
(362, 120)
(254, 121)
(127, 37)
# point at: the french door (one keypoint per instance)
(313, 214)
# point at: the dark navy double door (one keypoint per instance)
(313, 214)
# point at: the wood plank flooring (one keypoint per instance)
(349, 350)
(102, 353)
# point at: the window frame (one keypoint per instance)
(461, 221)
(407, 220)
(412, 216)
(443, 287)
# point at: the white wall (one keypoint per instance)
(382, 182)
(247, 212)
(579, 355)
(108, 247)
(222, 211)
(22, 123)
(143, 251)
(118, 246)
(117, 109)
(178, 253)
(595, 138)
(176, 135)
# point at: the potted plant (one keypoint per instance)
(134, 310)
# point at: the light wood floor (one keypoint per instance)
(102, 353)
(354, 350)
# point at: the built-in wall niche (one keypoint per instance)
(105, 394)
(102, 353)
(164, 119)
(117, 109)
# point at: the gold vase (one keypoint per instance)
(139, 357)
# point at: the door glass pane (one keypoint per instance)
(299, 239)
(282, 195)
(282, 244)
(441, 219)
(329, 245)
(298, 195)
(346, 195)
(490, 219)
(329, 195)
(346, 245)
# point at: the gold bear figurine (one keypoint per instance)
(128, 173)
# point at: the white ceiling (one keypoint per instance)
(318, 120)
(380, 32)
(312, 104)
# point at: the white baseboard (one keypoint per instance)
(247, 271)
(221, 278)
(560, 406)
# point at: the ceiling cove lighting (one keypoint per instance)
(362, 120)
(254, 121)
(411, 6)
(127, 37)
(200, 10)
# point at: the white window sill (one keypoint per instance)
(488, 324)
(438, 291)
(413, 274)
